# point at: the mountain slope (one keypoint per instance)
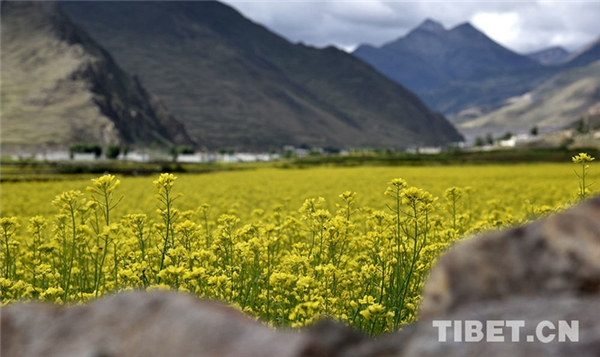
(461, 52)
(454, 69)
(584, 56)
(550, 56)
(236, 84)
(60, 87)
(556, 103)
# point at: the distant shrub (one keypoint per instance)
(86, 149)
(186, 150)
(175, 151)
(224, 151)
(289, 154)
(113, 151)
(564, 145)
(331, 150)
(385, 151)
(453, 147)
(582, 126)
(534, 131)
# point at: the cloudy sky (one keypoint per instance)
(523, 26)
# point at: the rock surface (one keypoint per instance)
(60, 87)
(558, 255)
(141, 324)
(546, 271)
(530, 311)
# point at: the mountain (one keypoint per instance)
(404, 60)
(462, 52)
(550, 56)
(236, 84)
(454, 69)
(584, 56)
(60, 87)
(556, 103)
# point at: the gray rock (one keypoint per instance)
(425, 341)
(558, 255)
(144, 324)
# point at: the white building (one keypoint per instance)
(427, 150)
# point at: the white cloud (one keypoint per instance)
(501, 27)
(523, 26)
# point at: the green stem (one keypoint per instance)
(167, 231)
(7, 272)
(99, 277)
(72, 209)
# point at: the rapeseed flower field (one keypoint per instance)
(288, 246)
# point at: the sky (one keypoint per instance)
(522, 26)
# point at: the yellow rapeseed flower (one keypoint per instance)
(165, 181)
(582, 157)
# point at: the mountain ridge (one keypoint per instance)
(556, 103)
(550, 56)
(431, 26)
(60, 87)
(585, 55)
(454, 69)
(237, 84)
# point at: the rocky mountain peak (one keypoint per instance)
(467, 30)
(550, 56)
(431, 26)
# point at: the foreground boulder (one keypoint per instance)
(160, 324)
(552, 327)
(544, 276)
(558, 255)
